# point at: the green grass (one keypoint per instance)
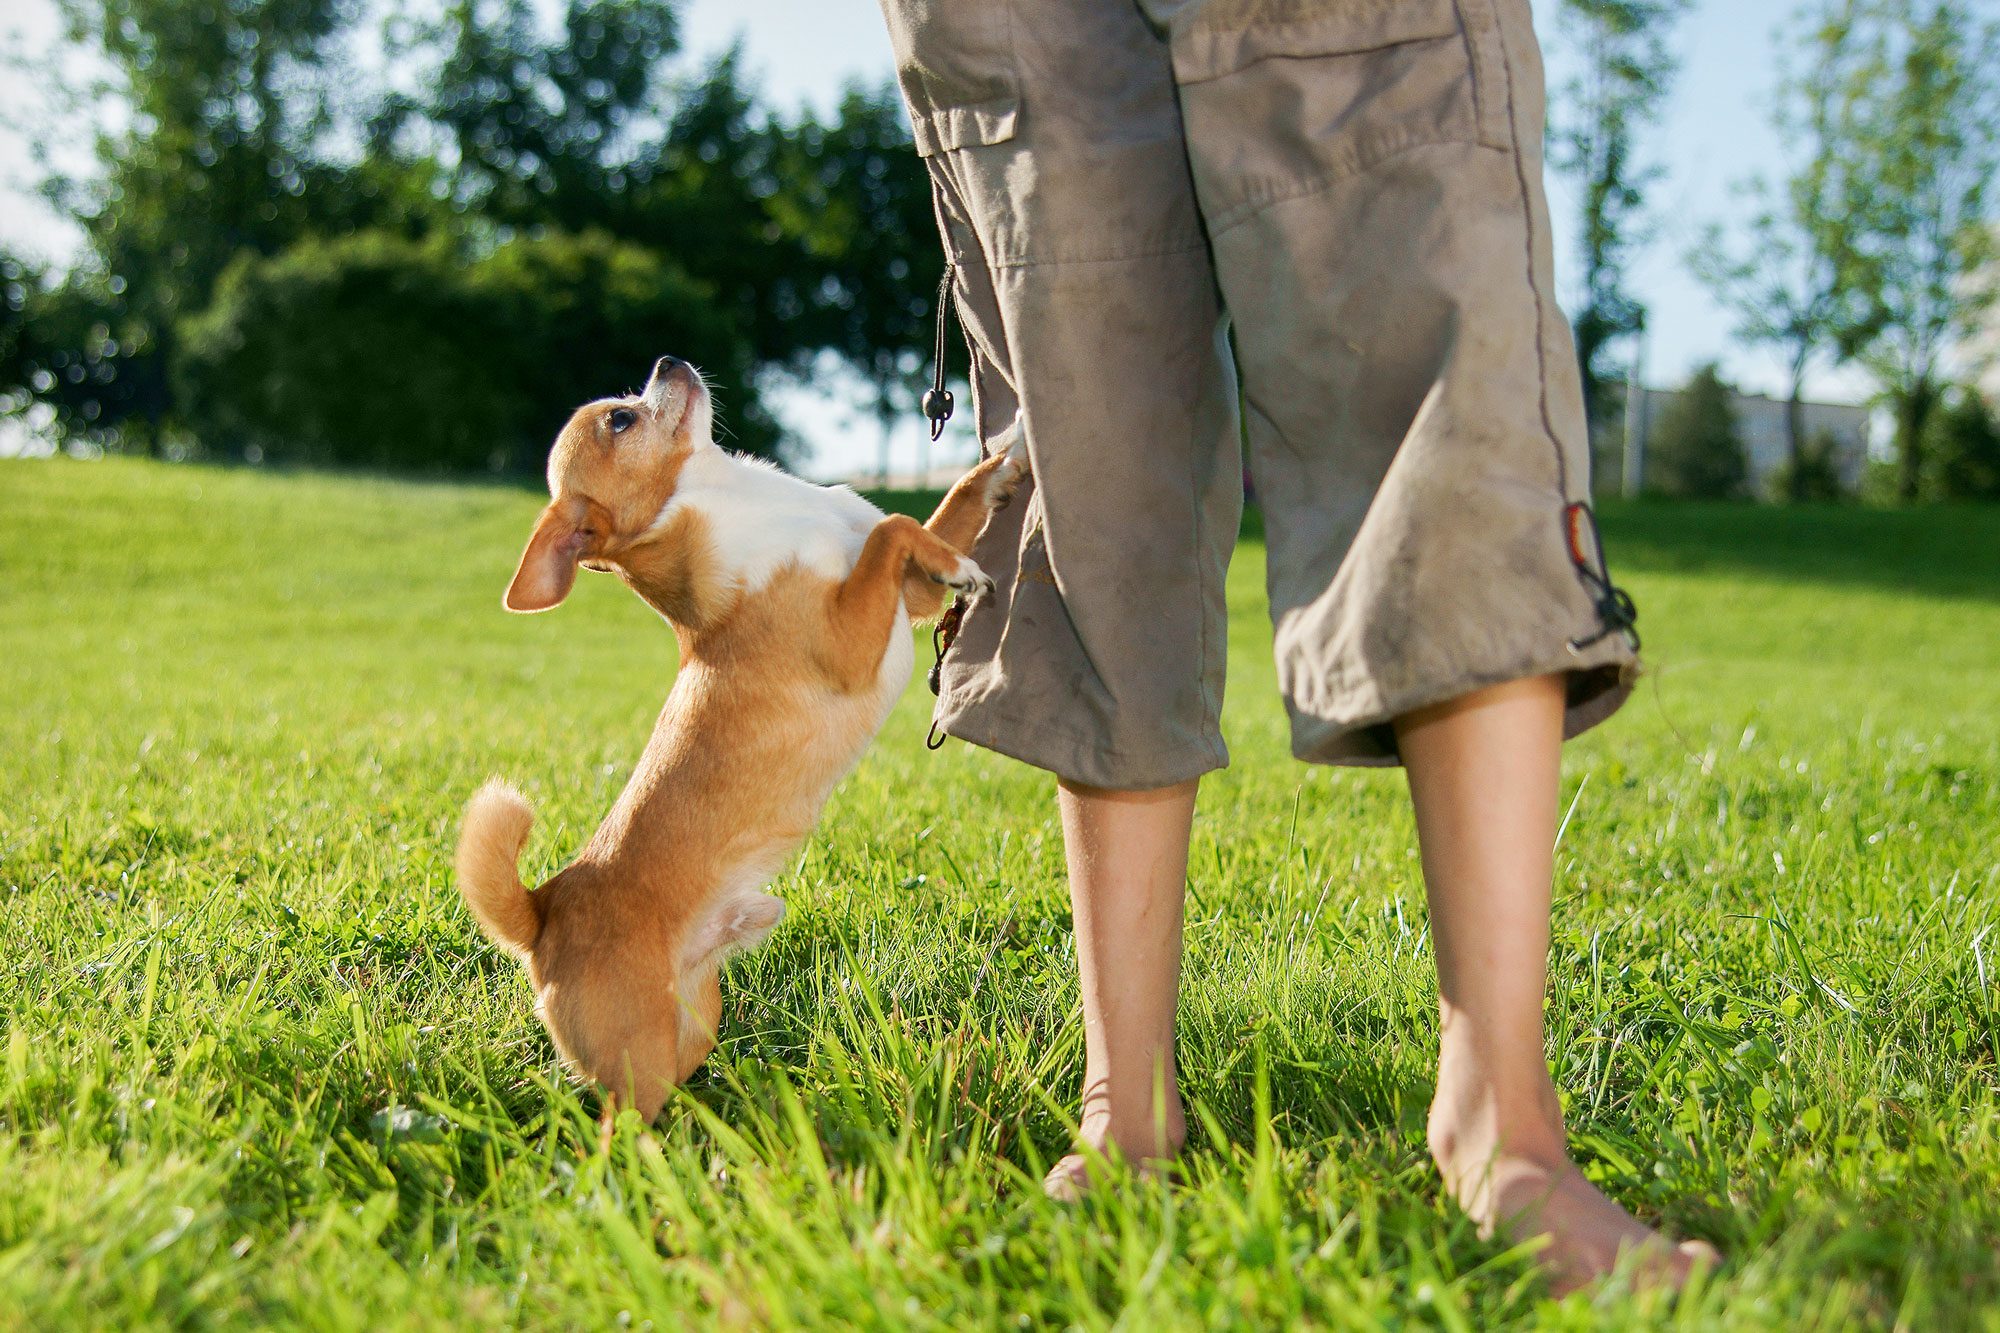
(259, 1068)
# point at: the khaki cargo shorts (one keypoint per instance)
(1317, 225)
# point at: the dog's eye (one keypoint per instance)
(621, 419)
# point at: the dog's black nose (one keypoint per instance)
(657, 386)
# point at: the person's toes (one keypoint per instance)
(1694, 1256)
(1068, 1180)
(1669, 1269)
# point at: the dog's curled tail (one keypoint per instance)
(489, 854)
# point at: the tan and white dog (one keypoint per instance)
(789, 602)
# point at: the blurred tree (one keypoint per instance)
(374, 350)
(1624, 67)
(56, 350)
(205, 123)
(1812, 474)
(818, 236)
(1962, 454)
(1915, 214)
(589, 128)
(1695, 452)
(545, 126)
(366, 350)
(1787, 289)
(859, 201)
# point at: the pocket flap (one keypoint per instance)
(943, 128)
(1228, 36)
(955, 63)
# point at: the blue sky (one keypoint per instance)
(1715, 131)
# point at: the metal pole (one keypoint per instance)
(1633, 474)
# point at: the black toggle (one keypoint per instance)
(937, 402)
(937, 406)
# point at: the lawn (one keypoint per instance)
(258, 1067)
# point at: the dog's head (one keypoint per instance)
(611, 472)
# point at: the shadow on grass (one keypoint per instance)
(1947, 551)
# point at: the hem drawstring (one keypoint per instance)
(1615, 607)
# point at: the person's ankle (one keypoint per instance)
(1139, 1136)
(1477, 1126)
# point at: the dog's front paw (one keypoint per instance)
(967, 578)
(1005, 478)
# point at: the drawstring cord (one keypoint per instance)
(942, 635)
(937, 406)
(1615, 607)
(937, 402)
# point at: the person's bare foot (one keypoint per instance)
(1069, 1179)
(1586, 1235)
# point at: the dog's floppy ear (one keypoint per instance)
(740, 921)
(548, 567)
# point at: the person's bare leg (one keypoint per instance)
(1484, 773)
(1127, 854)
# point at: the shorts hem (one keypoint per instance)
(1367, 740)
(1073, 757)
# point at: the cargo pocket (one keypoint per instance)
(955, 66)
(1283, 97)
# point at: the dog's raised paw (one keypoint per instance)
(967, 578)
(1005, 479)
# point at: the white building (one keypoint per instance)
(1760, 423)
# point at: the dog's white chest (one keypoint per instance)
(761, 520)
(897, 661)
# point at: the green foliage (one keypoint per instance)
(377, 351)
(259, 1070)
(1915, 217)
(1812, 473)
(1962, 452)
(243, 146)
(205, 147)
(57, 350)
(855, 206)
(1695, 452)
(356, 352)
(540, 119)
(1788, 289)
(1624, 68)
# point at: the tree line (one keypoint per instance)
(1876, 248)
(313, 236)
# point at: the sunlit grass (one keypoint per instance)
(259, 1068)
